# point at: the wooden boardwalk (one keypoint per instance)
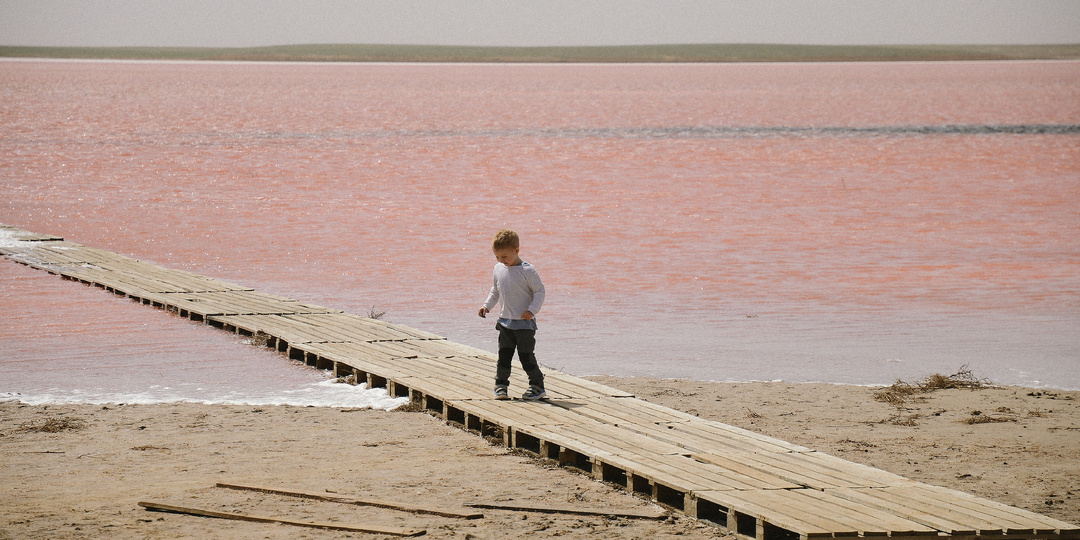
(755, 486)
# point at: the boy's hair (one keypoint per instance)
(505, 239)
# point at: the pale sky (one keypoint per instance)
(248, 23)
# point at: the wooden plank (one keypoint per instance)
(548, 508)
(392, 531)
(473, 366)
(349, 327)
(849, 471)
(640, 416)
(430, 348)
(581, 388)
(416, 333)
(794, 503)
(650, 458)
(36, 237)
(754, 470)
(232, 303)
(779, 515)
(360, 356)
(801, 468)
(404, 507)
(24, 235)
(764, 442)
(438, 368)
(286, 327)
(443, 390)
(342, 326)
(176, 280)
(616, 411)
(618, 441)
(719, 477)
(723, 437)
(1016, 521)
(515, 413)
(866, 520)
(64, 253)
(946, 518)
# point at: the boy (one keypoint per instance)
(517, 285)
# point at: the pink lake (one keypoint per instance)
(846, 223)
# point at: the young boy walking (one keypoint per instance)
(517, 285)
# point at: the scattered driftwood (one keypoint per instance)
(560, 509)
(243, 517)
(359, 502)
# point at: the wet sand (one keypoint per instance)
(78, 471)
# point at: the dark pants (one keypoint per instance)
(524, 341)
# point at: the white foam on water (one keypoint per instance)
(8, 240)
(326, 393)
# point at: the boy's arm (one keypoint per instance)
(492, 299)
(538, 294)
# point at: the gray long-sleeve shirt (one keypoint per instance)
(519, 289)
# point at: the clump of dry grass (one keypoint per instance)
(53, 425)
(149, 447)
(901, 419)
(857, 444)
(898, 394)
(902, 392)
(259, 339)
(411, 406)
(349, 379)
(963, 378)
(977, 417)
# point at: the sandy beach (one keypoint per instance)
(79, 471)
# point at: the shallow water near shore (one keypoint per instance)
(844, 223)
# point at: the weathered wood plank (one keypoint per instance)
(548, 508)
(446, 390)
(520, 414)
(784, 505)
(392, 531)
(393, 505)
(948, 520)
(1015, 521)
(876, 522)
(803, 469)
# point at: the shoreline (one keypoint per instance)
(84, 478)
(687, 53)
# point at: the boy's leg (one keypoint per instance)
(526, 343)
(507, 344)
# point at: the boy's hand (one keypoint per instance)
(483, 312)
(528, 315)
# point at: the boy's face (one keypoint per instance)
(507, 256)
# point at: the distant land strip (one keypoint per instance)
(606, 54)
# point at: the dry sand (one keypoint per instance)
(85, 480)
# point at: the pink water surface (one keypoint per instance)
(847, 223)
